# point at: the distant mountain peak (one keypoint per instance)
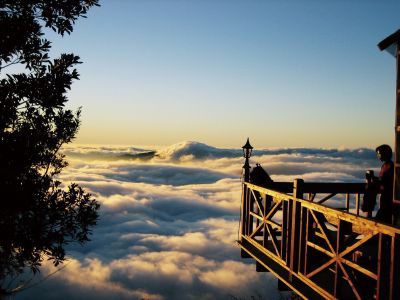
(196, 150)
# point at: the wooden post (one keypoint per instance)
(245, 202)
(284, 238)
(395, 268)
(304, 225)
(396, 193)
(358, 204)
(247, 149)
(243, 221)
(243, 211)
(250, 208)
(347, 202)
(384, 253)
(296, 224)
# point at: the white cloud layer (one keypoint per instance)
(169, 220)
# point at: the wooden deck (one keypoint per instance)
(318, 251)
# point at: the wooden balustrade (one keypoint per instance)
(320, 247)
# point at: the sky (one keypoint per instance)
(284, 73)
(169, 224)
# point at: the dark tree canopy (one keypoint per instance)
(38, 214)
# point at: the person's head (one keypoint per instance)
(384, 152)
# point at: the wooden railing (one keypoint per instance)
(320, 252)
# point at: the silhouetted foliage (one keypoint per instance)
(38, 215)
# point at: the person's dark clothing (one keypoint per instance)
(260, 177)
(386, 175)
(369, 198)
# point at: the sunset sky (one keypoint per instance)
(284, 73)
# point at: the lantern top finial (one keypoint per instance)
(247, 145)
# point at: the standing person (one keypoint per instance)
(385, 184)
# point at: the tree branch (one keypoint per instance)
(16, 61)
(52, 160)
(26, 285)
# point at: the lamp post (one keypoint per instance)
(392, 45)
(247, 150)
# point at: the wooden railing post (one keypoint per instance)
(395, 268)
(358, 204)
(250, 208)
(384, 253)
(247, 150)
(244, 218)
(296, 225)
(347, 202)
(243, 212)
(305, 224)
(284, 239)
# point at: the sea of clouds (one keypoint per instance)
(169, 220)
